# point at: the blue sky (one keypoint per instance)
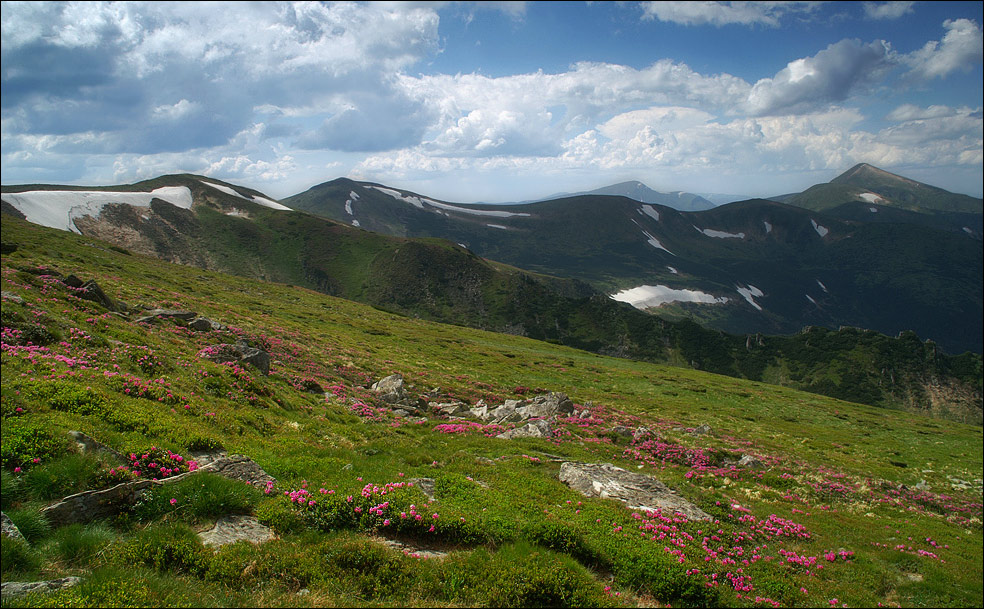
(490, 101)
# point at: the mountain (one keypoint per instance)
(637, 191)
(747, 267)
(351, 496)
(866, 193)
(219, 226)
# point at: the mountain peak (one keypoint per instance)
(863, 174)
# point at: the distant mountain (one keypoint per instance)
(752, 266)
(637, 191)
(866, 193)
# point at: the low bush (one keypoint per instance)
(78, 544)
(197, 498)
(165, 547)
(30, 522)
(17, 557)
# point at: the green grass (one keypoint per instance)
(841, 478)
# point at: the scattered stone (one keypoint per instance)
(11, 297)
(391, 388)
(702, 430)
(411, 550)
(204, 324)
(235, 467)
(641, 434)
(12, 589)
(548, 405)
(8, 527)
(155, 315)
(750, 462)
(536, 429)
(426, 486)
(230, 529)
(637, 491)
(90, 290)
(451, 408)
(922, 486)
(622, 430)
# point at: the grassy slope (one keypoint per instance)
(835, 466)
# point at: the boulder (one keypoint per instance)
(701, 430)
(12, 589)
(750, 462)
(204, 324)
(637, 491)
(154, 315)
(8, 528)
(450, 408)
(240, 352)
(548, 405)
(391, 389)
(230, 529)
(536, 429)
(87, 444)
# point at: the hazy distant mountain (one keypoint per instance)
(682, 201)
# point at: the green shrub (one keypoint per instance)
(17, 557)
(247, 566)
(197, 498)
(377, 572)
(166, 547)
(278, 514)
(63, 476)
(11, 489)
(561, 537)
(30, 522)
(202, 444)
(649, 569)
(23, 442)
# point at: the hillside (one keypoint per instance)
(637, 191)
(812, 501)
(808, 269)
(214, 227)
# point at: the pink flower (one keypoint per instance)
(173, 501)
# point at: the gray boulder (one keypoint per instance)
(536, 429)
(750, 462)
(548, 405)
(637, 491)
(8, 528)
(391, 390)
(239, 352)
(12, 589)
(230, 529)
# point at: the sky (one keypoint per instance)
(493, 101)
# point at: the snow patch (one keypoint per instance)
(653, 241)
(415, 201)
(719, 234)
(870, 197)
(647, 296)
(354, 195)
(258, 200)
(821, 230)
(768, 227)
(810, 299)
(873, 210)
(968, 230)
(235, 213)
(499, 226)
(59, 208)
(822, 287)
(476, 212)
(650, 211)
(673, 270)
(348, 207)
(355, 223)
(749, 294)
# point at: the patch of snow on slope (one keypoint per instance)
(354, 195)
(647, 296)
(822, 287)
(749, 293)
(497, 226)
(415, 201)
(673, 270)
(59, 208)
(821, 230)
(258, 200)
(768, 227)
(870, 197)
(476, 212)
(355, 223)
(873, 210)
(650, 211)
(653, 241)
(810, 299)
(348, 207)
(968, 230)
(719, 234)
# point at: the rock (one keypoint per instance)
(8, 528)
(12, 589)
(90, 291)
(11, 297)
(623, 431)
(230, 529)
(637, 491)
(536, 429)
(549, 405)
(154, 315)
(87, 444)
(450, 409)
(240, 352)
(204, 324)
(750, 462)
(641, 434)
(702, 430)
(507, 413)
(391, 389)
(106, 503)
(922, 486)
(412, 550)
(426, 486)
(480, 412)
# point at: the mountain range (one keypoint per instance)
(547, 270)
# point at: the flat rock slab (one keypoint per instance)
(230, 529)
(12, 589)
(9, 528)
(637, 491)
(412, 550)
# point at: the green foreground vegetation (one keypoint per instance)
(857, 506)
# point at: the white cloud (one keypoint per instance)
(960, 49)
(887, 10)
(909, 112)
(830, 76)
(724, 13)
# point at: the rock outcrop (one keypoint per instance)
(241, 352)
(637, 491)
(230, 529)
(12, 589)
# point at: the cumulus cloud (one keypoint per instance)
(960, 49)
(724, 13)
(827, 77)
(887, 10)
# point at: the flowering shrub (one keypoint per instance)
(159, 463)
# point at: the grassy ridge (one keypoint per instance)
(830, 498)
